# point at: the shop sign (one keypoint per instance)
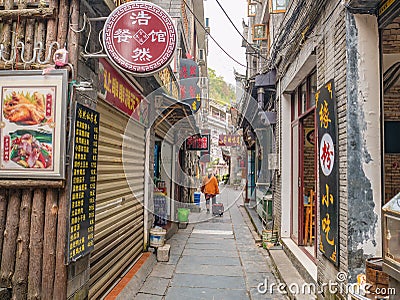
(32, 124)
(188, 77)
(198, 142)
(328, 172)
(139, 37)
(229, 140)
(117, 91)
(168, 82)
(83, 182)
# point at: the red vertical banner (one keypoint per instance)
(49, 101)
(6, 154)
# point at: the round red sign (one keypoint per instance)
(139, 37)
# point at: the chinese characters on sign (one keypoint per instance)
(198, 142)
(83, 182)
(139, 37)
(328, 173)
(121, 94)
(229, 140)
(188, 78)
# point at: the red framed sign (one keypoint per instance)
(139, 37)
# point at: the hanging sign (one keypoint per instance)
(229, 140)
(139, 37)
(83, 182)
(198, 142)
(189, 76)
(328, 172)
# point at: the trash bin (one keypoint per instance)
(183, 215)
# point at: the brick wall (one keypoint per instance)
(331, 63)
(309, 157)
(392, 160)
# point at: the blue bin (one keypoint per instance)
(197, 198)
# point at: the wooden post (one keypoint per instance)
(49, 245)
(7, 29)
(20, 278)
(51, 27)
(36, 245)
(10, 236)
(73, 37)
(29, 39)
(3, 215)
(20, 28)
(60, 285)
(63, 19)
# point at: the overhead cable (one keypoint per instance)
(234, 26)
(219, 46)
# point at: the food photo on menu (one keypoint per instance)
(27, 128)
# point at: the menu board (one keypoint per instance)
(83, 182)
(160, 209)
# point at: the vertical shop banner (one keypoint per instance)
(83, 182)
(328, 172)
(189, 90)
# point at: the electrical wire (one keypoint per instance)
(234, 26)
(215, 41)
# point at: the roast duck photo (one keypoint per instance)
(24, 109)
(30, 148)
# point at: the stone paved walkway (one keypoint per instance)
(213, 258)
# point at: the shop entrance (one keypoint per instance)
(304, 162)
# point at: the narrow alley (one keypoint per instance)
(213, 259)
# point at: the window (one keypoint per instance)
(313, 88)
(260, 32)
(251, 8)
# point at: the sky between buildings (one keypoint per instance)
(225, 34)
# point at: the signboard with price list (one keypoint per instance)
(83, 182)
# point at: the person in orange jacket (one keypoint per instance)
(210, 189)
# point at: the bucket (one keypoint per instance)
(197, 198)
(157, 237)
(183, 214)
(269, 237)
(375, 276)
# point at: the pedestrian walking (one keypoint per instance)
(210, 189)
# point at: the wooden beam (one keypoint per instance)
(31, 183)
(43, 13)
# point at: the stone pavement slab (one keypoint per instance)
(209, 270)
(154, 286)
(191, 293)
(163, 270)
(142, 296)
(209, 246)
(210, 260)
(207, 281)
(211, 252)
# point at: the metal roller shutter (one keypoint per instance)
(119, 214)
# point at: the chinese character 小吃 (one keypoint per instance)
(326, 228)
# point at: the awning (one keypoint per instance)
(363, 6)
(266, 79)
(173, 111)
